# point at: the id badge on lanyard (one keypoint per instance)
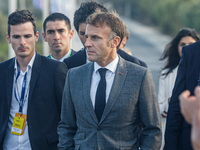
(20, 118)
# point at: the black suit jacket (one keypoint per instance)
(80, 58)
(44, 102)
(177, 135)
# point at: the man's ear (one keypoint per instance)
(115, 41)
(71, 33)
(36, 36)
(44, 36)
(8, 38)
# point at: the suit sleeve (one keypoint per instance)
(174, 117)
(60, 76)
(67, 126)
(151, 135)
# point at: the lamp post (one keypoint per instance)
(45, 13)
(12, 6)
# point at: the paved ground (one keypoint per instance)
(147, 44)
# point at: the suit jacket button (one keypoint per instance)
(99, 128)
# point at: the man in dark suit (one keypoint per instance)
(106, 100)
(80, 16)
(31, 89)
(178, 131)
(58, 33)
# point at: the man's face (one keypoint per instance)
(100, 48)
(81, 32)
(58, 36)
(23, 39)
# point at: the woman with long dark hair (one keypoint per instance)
(172, 55)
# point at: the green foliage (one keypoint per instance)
(188, 14)
(3, 41)
(3, 51)
(168, 15)
(38, 47)
(165, 16)
(171, 15)
(3, 27)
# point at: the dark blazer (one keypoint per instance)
(127, 107)
(80, 59)
(177, 135)
(73, 52)
(44, 102)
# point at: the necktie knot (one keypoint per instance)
(102, 72)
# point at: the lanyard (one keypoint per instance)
(70, 53)
(21, 101)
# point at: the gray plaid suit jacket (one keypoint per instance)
(132, 102)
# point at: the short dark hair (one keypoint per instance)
(86, 9)
(57, 16)
(110, 19)
(21, 16)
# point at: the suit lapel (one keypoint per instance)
(118, 82)
(34, 74)
(87, 76)
(197, 64)
(9, 80)
(197, 71)
(79, 58)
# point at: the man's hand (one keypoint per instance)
(190, 108)
(187, 103)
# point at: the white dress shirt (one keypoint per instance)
(12, 141)
(110, 75)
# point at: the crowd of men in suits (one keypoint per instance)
(97, 98)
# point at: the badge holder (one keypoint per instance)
(18, 124)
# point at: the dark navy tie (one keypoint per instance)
(100, 99)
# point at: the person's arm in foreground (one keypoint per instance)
(190, 108)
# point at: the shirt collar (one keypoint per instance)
(65, 56)
(111, 66)
(30, 64)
